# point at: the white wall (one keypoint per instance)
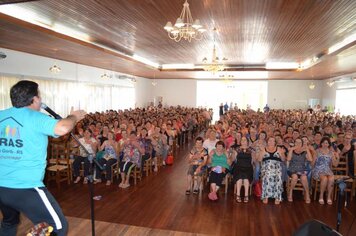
(19, 63)
(292, 94)
(175, 92)
(329, 93)
(282, 94)
(143, 92)
(29, 65)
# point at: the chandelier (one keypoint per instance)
(215, 65)
(330, 83)
(55, 69)
(105, 76)
(154, 82)
(227, 78)
(311, 86)
(185, 27)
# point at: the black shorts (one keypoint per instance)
(126, 167)
(216, 178)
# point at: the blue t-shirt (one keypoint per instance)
(23, 147)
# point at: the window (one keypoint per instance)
(345, 99)
(62, 95)
(211, 94)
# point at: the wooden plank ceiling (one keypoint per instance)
(249, 32)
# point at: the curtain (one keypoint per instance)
(60, 95)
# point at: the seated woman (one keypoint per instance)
(146, 143)
(110, 148)
(160, 146)
(91, 146)
(271, 171)
(197, 160)
(298, 157)
(347, 150)
(351, 156)
(132, 152)
(242, 171)
(220, 163)
(325, 157)
(306, 142)
(103, 136)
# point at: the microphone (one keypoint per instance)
(50, 111)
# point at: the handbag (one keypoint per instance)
(257, 189)
(170, 159)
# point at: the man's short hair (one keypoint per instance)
(22, 93)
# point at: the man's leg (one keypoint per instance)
(38, 205)
(11, 219)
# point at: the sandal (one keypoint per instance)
(125, 185)
(321, 201)
(187, 192)
(238, 199)
(246, 199)
(195, 191)
(329, 202)
(97, 181)
(77, 180)
(290, 199)
(265, 201)
(108, 183)
(307, 201)
(277, 202)
(85, 181)
(215, 196)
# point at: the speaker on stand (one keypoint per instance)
(315, 228)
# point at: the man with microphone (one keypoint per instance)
(24, 135)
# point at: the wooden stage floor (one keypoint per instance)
(159, 202)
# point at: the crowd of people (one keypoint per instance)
(132, 137)
(270, 149)
(267, 149)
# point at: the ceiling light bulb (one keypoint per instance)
(168, 26)
(311, 86)
(330, 83)
(197, 24)
(179, 23)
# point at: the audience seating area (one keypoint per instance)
(183, 125)
(174, 128)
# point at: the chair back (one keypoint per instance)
(342, 167)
